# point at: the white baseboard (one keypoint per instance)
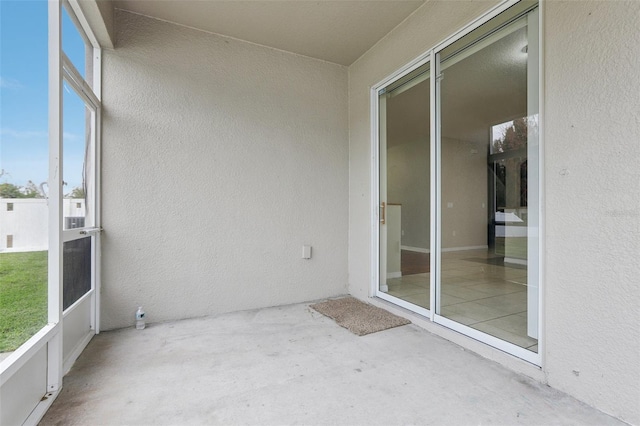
(424, 250)
(73, 356)
(41, 409)
(515, 261)
(416, 249)
(465, 248)
(394, 274)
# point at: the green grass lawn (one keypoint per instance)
(23, 297)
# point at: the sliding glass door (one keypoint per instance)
(405, 180)
(458, 179)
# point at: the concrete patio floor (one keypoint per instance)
(291, 365)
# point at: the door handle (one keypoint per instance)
(383, 209)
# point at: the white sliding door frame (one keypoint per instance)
(378, 162)
(435, 220)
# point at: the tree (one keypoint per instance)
(77, 192)
(9, 190)
(511, 170)
(32, 191)
(515, 137)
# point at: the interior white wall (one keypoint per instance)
(221, 159)
(408, 184)
(464, 194)
(591, 191)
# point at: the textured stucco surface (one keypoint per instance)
(592, 157)
(221, 159)
(591, 195)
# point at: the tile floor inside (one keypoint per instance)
(478, 291)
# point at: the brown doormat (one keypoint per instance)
(358, 317)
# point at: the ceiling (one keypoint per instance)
(338, 31)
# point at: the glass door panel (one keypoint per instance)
(77, 162)
(488, 179)
(405, 188)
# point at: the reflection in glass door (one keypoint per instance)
(488, 145)
(404, 155)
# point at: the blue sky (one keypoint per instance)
(24, 146)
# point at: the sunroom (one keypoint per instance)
(470, 166)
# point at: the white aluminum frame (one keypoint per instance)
(90, 96)
(435, 225)
(61, 69)
(375, 172)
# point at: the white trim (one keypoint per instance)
(464, 248)
(416, 249)
(75, 304)
(375, 197)
(394, 274)
(541, 177)
(411, 66)
(434, 216)
(77, 15)
(73, 356)
(503, 345)
(533, 177)
(79, 233)
(17, 359)
(54, 353)
(41, 409)
(486, 17)
(97, 73)
(515, 261)
(78, 83)
(485, 42)
(97, 239)
(413, 308)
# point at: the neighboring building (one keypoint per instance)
(24, 222)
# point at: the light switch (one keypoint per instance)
(306, 252)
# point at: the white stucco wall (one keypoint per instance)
(220, 160)
(591, 189)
